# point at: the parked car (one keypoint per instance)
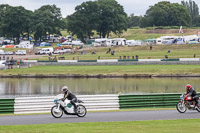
(45, 44)
(20, 52)
(193, 42)
(44, 51)
(62, 51)
(9, 53)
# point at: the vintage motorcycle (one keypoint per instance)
(186, 103)
(66, 107)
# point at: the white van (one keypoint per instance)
(20, 52)
(45, 51)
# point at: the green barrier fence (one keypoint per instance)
(125, 60)
(170, 59)
(6, 106)
(148, 101)
(87, 60)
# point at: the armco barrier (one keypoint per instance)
(43, 104)
(189, 59)
(107, 60)
(151, 100)
(6, 106)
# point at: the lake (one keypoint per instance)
(88, 86)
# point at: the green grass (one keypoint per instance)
(115, 70)
(155, 126)
(158, 52)
(145, 33)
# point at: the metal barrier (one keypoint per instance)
(25, 105)
(148, 101)
(6, 106)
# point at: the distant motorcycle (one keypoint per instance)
(186, 103)
(66, 107)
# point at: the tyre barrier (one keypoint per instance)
(148, 101)
(24, 105)
(6, 106)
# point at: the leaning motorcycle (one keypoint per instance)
(186, 103)
(66, 107)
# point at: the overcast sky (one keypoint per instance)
(138, 7)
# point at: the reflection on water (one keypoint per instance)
(52, 86)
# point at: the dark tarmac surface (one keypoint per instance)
(99, 117)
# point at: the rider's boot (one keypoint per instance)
(75, 109)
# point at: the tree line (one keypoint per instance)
(16, 22)
(168, 14)
(101, 17)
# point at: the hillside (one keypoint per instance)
(143, 34)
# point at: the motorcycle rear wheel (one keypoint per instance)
(181, 107)
(81, 111)
(56, 114)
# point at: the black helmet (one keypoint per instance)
(64, 89)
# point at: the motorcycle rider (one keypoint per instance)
(70, 96)
(191, 92)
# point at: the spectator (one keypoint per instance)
(55, 58)
(150, 47)
(112, 52)
(12, 63)
(93, 53)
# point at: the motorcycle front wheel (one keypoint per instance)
(81, 111)
(181, 107)
(198, 109)
(56, 112)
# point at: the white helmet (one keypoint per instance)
(64, 89)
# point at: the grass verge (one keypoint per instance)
(112, 70)
(155, 126)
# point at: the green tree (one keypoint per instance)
(196, 21)
(47, 20)
(193, 9)
(15, 22)
(103, 16)
(3, 9)
(112, 18)
(167, 14)
(134, 21)
(84, 21)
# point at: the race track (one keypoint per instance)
(99, 117)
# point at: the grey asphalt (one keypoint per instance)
(99, 117)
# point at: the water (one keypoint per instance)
(84, 86)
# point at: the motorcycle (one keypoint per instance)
(186, 103)
(66, 107)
